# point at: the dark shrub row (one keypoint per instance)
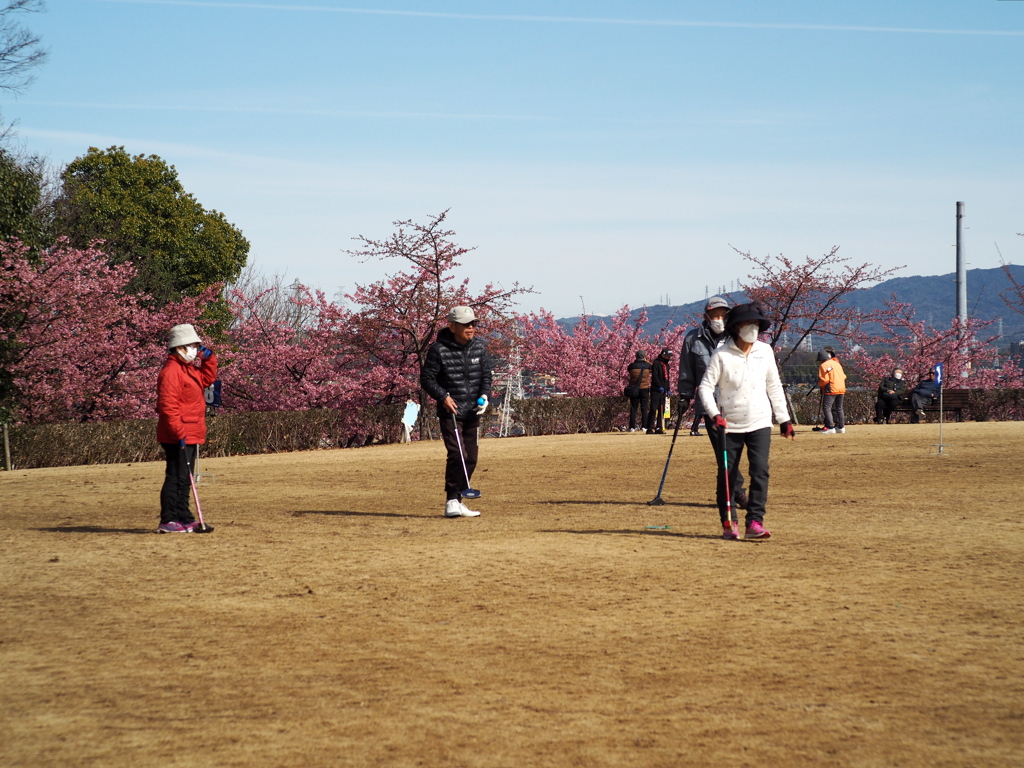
(231, 434)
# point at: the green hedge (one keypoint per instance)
(228, 434)
(231, 434)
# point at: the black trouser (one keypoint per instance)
(735, 487)
(835, 418)
(643, 402)
(176, 489)
(657, 410)
(757, 443)
(455, 479)
(918, 403)
(885, 405)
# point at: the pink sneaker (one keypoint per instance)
(173, 527)
(729, 531)
(757, 531)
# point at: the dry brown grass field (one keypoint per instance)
(335, 618)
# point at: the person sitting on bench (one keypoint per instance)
(925, 393)
(890, 392)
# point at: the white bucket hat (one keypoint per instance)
(182, 335)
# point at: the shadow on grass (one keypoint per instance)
(574, 502)
(93, 529)
(641, 532)
(349, 513)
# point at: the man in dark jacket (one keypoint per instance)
(925, 393)
(890, 392)
(639, 390)
(660, 389)
(698, 346)
(457, 374)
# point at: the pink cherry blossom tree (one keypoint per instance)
(591, 361)
(77, 344)
(810, 297)
(967, 355)
(289, 361)
(395, 320)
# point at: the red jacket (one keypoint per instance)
(180, 402)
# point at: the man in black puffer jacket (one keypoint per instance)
(457, 374)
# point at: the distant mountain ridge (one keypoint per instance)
(933, 298)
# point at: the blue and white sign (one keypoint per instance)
(938, 373)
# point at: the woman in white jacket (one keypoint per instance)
(741, 391)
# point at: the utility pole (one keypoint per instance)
(961, 273)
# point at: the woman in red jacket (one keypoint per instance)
(181, 405)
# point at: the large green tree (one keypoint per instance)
(20, 194)
(141, 212)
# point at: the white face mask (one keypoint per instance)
(749, 333)
(717, 325)
(188, 354)
(898, 375)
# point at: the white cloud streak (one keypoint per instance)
(578, 19)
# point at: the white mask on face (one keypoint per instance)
(749, 333)
(898, 374)
(188, 354)
(717, 325)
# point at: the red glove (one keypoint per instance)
(719, 422)
(786, 428)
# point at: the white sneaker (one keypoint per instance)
(828, 431)
(455, 508)
(841, 430)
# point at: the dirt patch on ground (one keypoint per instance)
(335, 618)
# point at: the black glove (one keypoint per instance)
(786, 428)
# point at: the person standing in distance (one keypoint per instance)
(457, 374)
(639, 390)
(181, 424)
(660, 389)
(698, 346)
(746, 377)
(832, 381)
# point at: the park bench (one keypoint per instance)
(953, 401)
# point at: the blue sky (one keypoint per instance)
(613, 151)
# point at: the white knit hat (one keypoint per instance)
(181, 335)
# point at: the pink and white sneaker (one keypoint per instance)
(729, 530)
(173, 527)
(757, 531)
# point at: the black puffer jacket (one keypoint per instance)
(463, 372)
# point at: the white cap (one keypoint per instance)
(182, 335)
(461, 315)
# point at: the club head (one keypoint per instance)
(656, 502)
(204, 528)
(470, 493)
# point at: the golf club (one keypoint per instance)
(657, 501)
(468, 493)
(730, 513)
(203, 527)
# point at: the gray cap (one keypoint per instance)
(461, 315)
(716, 302)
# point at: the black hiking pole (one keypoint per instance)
(657, 501)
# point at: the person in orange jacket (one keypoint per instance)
(181, 406)
(832, 380)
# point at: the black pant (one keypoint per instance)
(657, 409)
(455, 480)
(919, 402)
(735, 486)
(835, 418)
(176, 489)
(884, 406)
(757, 443)
(643, 402)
